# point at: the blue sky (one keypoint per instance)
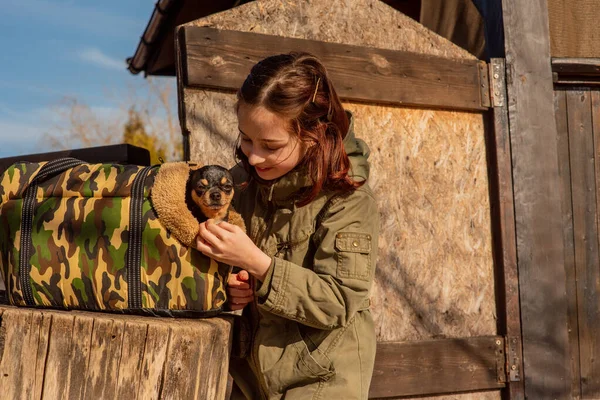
(52, 49)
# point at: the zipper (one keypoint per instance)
(282, 247)
(268, 218)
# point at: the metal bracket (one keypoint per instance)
(484, 84)
(497, 82)
(513, 358)
(500, 360)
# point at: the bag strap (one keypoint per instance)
(49, 170)
(134, 248)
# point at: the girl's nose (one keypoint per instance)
(255, 159)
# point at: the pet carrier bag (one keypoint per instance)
(86, 236)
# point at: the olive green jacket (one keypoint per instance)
(312, 334)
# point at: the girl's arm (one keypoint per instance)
(337, 287)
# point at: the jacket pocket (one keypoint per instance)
(353, 255)
(297, 365)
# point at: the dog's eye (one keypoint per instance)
(227, 188)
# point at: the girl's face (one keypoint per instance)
(265, 140)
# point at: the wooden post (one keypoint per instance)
(503, 217)
(80, 355)
(538, 217)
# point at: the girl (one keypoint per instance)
(311, 242)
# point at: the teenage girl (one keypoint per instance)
(308, 256)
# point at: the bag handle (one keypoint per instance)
(55, 167)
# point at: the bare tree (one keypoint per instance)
(151, 105)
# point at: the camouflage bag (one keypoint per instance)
(85, 236)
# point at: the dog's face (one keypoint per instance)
(212, 190)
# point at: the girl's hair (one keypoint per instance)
(296, 87)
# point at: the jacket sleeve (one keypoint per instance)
(339, 284)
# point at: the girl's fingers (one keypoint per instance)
(233, 280)
(203, 247)
(234, 292)
(215, 229)
(240, 300)
(208, 236)
(243, 275)
(238, 285)
(227, 226)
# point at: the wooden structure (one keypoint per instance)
(542, 116)
(79, 355)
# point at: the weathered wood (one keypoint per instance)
(585, 219)
(540, 247)
(181, 66)
(18, 366)
(222, 59)
(576, 71)
(79, 355)
(83, 326)
(437, 366)
(220, 349)
(576, 66)
(564, 170)
(153, 362)
(180, 382)
(58, 356)
(105, 348)
(132, 356)
(42, 351)
(504, 234)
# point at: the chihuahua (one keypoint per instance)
(209, 193)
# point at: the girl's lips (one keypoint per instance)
(262, 169)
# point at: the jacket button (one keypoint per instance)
(355, 243)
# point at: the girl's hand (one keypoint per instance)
(227, 243)
(239, 292)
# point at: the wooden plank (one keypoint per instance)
(58, 357)
(437, 366)
(564, 171)
(540, 247)
(42, 352)
(93, 355)
(586, 124)
(105, 351)
(18, 366)
(214, 386)
(182, 366)
(503, 228)
(181, 66)
(80, 354)
(576, 66)
(222, 59)
(155, 354)
(132, 356)
(585, 234)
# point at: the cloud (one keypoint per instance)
(95, 56)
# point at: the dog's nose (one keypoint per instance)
(215, 196)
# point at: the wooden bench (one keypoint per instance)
(47, 354)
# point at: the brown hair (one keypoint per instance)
(296, 86)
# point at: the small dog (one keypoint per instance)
(209, 193)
